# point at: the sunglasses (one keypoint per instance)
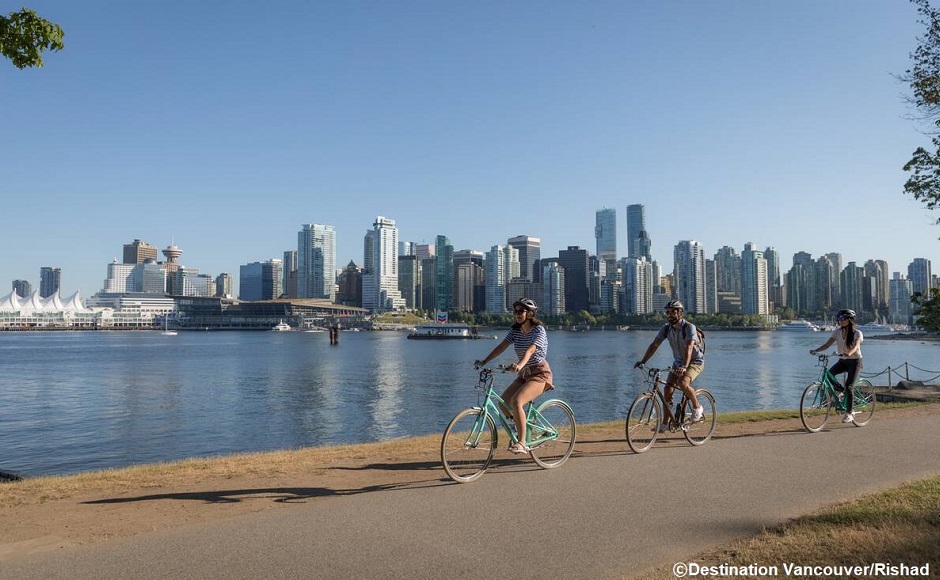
(520, 310)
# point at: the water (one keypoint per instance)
(79, 401)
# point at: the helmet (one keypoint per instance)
(675, 305)
(846, 313)
(526, 303)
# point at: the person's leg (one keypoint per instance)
(854, 368)
(508, 396)
(526, 394)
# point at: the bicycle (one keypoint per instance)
(821, 396)
(650, 410)
(471, 437)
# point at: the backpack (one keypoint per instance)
(701, 337)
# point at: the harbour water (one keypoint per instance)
(80, 401)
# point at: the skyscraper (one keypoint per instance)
(444, 274)
(260, 280)
(137, 251)
(638, 242)
(530, 252)
(380, 260)
(22, 288)
(605, 232)
(753, 281)
(575, 262)
(918, 272)
(689, 270)
(49, 281)
(316, 262)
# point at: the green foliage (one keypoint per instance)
(924, 80)
(24, 35)
(928, 309)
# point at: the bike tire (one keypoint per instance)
(468, 444)
(815, 407)
(643, 420)
(701, 431)
(559, 419)
(863, 403)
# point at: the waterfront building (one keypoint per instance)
(350, 285)
(120, 278)
(530, 252)
(501, 266)
(728, 270)
(711, 287)
(610, 292)
(900, 307)
(49, 281)
(689, 271)
(409, 278)
(147, 277)
(877, 270)
(576, 264)
(316, 261)
(852, 287)
(553, 287)
(260, 280)
(826, 289)
(224, 286)
(918, 272)
(836, 281)
(137, 252)
(172, 254)
(605, 232)
(22, 287)
(773, 276)
(380, 269)
(444, 274)
(801, 284)
(469, 289)
(50, 312)
(753, 281)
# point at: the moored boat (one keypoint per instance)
(800, 325)
(444, 331)
(282, 326)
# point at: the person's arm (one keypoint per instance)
(855, 347)
(687, 358)
(827, 344)
(497, 350)
(524, 359)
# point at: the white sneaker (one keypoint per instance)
(848, 418)
(698, 414)
(662, 428)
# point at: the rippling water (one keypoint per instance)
(78, 401)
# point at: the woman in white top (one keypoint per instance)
(848, 341)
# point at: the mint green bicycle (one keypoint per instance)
(821, 397)
(472, 436)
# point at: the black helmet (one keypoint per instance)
(675, 305)
(526, 303)
(846, 313)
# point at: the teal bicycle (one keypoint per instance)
(821, 399)
(472, 436)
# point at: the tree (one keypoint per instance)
(928, 309)
(24, 35)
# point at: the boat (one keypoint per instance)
(800, 325)
(875, 327)
(444, 331)
(282, 327)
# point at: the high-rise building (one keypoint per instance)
(349, 283)
(877, 270)
(728, 270)
(637, 285)
(380, 277)
(605, 232)
(552, 286)
(316, 262)
(801, 284)
(530, 252)
(638, 243)
(49, 281)
(444, 274)
(918, 272)
(409, 277)
(711, 287)
(172, 254)
(22, 288)
(853, 289)
(469, 288)
(289, 274)
(835, 282)
(689, 270)
(137, 251)
(575, 262)
(900, 307)
(120, 278)
(754, 281)
(224, 286)
(260, 280)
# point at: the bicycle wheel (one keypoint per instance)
(815, 407)
(643, 421)
(468, 445)
(863, 403)
(701, 431)
(555, 418)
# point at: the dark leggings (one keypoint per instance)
(851, 367)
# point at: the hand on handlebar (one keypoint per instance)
(638, 365)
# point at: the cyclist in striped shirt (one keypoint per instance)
(530, 341)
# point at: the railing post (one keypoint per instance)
(890, 382)
(907, 376)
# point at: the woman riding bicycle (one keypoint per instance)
(848, 341)
(530, 341)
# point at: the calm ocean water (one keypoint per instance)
(79, 401)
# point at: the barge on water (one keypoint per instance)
(445, 331)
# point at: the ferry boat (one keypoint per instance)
(875, 327)
(799, 326)
(281, 327)
(444, 331)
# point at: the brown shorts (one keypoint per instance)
(539, 372)
(691, 371)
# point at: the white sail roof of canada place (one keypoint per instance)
(13, 302)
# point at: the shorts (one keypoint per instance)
(691, 371)
(539, 373)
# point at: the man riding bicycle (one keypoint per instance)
(688, 357)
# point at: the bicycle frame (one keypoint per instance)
(821, 398)
(829, 381)
(654, 380)
(491, 406)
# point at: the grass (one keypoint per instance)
(900, 525)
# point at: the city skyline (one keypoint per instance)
(476, 122)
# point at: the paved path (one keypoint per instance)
(595, 517)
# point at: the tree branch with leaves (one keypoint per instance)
(24, 35)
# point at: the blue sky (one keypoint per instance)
(226, 125)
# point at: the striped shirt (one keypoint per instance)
(522, 341)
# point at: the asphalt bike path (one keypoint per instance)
(600, 516)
